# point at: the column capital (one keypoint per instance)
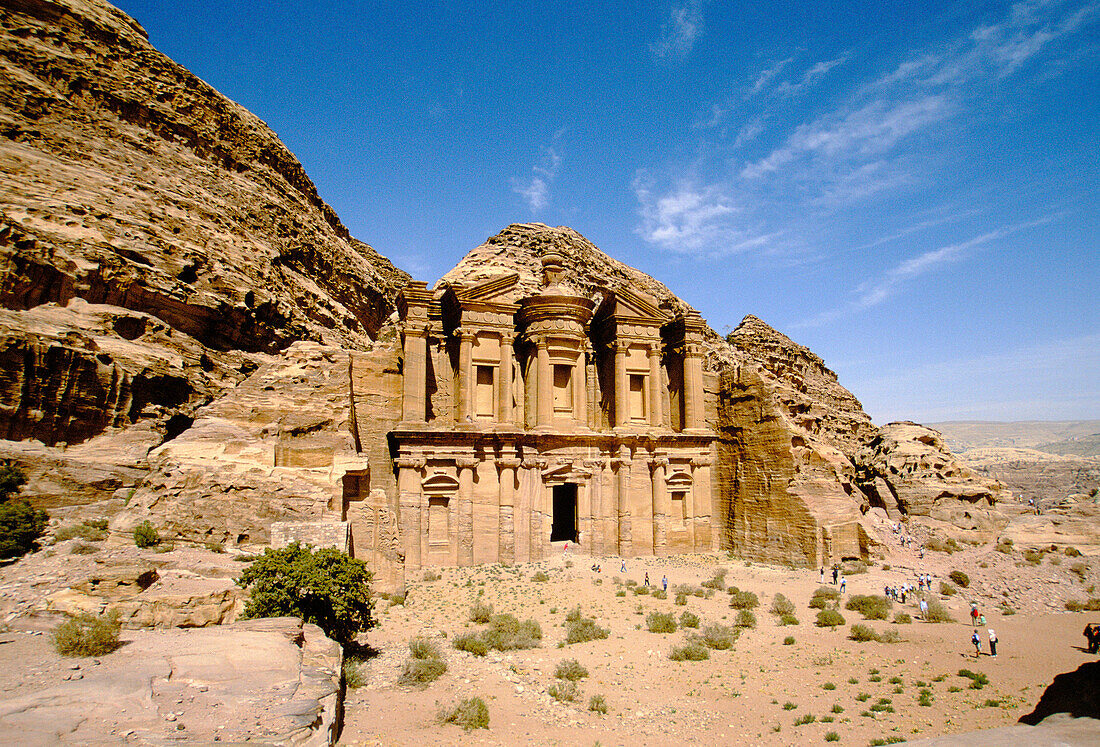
(658, 462)
(466, 462)
(705, 460)
(464, 333)
(621, 346)
(654, 350)
(411, 462)
(509, 462)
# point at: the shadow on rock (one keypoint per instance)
(1076, 693)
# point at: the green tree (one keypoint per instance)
(20, 524)
(324, 587)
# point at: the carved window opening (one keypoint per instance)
(485, 392)
(679, 490)
(439, 489)
(636, 397)
(563, 389)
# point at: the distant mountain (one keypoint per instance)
(1073, 437)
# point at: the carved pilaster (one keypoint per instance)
(622, 416)
(657, 466)
(465, 509)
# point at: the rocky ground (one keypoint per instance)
(754, 692)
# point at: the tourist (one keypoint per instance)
(973, 614)
(1092, 635)
(977, 641)
(664, 583)
(836, 573)
(623, 569)
(647, 578)
(992, 643)
(821, 578)
(924, 609)
(843, 583)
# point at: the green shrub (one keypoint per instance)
(570, 669)
(1074, 605)
(744, 600)
(565, 691)
(540, 577)
(829, 618)
(689, 620)
(690, 651)
(597, 704)
(947, 589)
(717, 581)
(832, 736)
(145, 535)
(1005, 546)
(960, 579)
(473, 643)
(681, 599)
(11, 480)
(788, 641)
(808, 718)
(659, 594)
(84, 531)
(719, 637)
(862, 633)
(889, 636)
(745, 619)
(481, 612)
(324, 587)
(507, 633)
(87, 635)
(641, 591)
(870, 606)
(937, 613)
(471, 713)
(902, 618)
(583, 630)
(789, 706)
(925, 698)
(21, 525)
(574, 615)
(837, 708)
(83, 549)
(430, 576)
(1072, 552)
(782, 606)
(660, 622)
(828, 686)
(1079, 569)
(788, 620)
(354, 677)
(823, 595)
(425, 663)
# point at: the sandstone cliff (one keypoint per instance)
(128, 183)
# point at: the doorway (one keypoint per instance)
(563, 527)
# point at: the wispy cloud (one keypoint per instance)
(765, 76)
(808, 78)
(536, 190)
(679, 32)
(749, 131)
(874, 292)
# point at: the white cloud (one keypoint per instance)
(749, 131)
(536, 190)
(764, 77)
(787, 88)
(679, 32)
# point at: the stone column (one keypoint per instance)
(414, 375)
(544, 383)
(465, 509)
(580, 390)
(465, 375)
(504, 391)
(657, 467)
(622, 417)
(704, 512)
(591, 397)
(656, 410)
(693, 388)
(507, 529)
(410, 501)
(622, 503)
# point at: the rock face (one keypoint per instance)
(133, 186)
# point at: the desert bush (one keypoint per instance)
(660, 622)
(424, 648)
(870, 606)
(719, 637)
(961, 579)
(430, 576)
(540, 577)
(565, 691)
(744, 600)
(1076, 605)
(902, 618)
(598, 704)
(641, 591)
(85, 531)
(473, 643)
(21, 525)
(681, 599)
(570, 669)
(471, 713)
(829, 618)
(782, 606)
(480, 612)
(583, 630)
(659, 594)
(1079, 569)
(788, 641)
(1004, 546)
(937, 613)
(354, 677)
(1034, 556)
(788, 620)
(574, 615)
(823, 595)
(947, 589)
(1072, 552)
(507, 633)
(717, 581)
(145, 535)
(831, 736)
(862, 633)
(745, 619)
(808, 718)
(87, 635)
(83, 548)
(689, 651)
(828, 686)
(425, 663)
(938, 544)
(324, 587)
(889, 635)
(689, 620)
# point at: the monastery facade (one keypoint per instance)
(531, 422)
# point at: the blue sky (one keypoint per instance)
(911, 194)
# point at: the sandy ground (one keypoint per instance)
(752, 693)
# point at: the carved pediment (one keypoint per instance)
(500, 289)
(630, 306)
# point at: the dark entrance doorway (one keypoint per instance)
(564, 525)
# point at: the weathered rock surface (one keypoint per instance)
(134, 186)
(273, 681)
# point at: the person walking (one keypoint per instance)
(647, 579)
(992, 643)
(924, 609)
(977, 641)
(973, 615)
(836, 573)
(843, 583)
(623, 569)
(821, 578)
(664, 583)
